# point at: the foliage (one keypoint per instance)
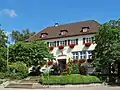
(31, 53)
(21, 36)
(64, 73)
(69, 79)
(75, 68)
(3, 41)
(8, 75)
(107, 50)
(19, 67)
(2, 65)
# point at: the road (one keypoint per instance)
(82, 88)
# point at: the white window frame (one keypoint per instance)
(75, 55)
(83, 55)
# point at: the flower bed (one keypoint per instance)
(69, 79)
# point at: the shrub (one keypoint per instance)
(19, 68)
(75, 69)
(3, 66)
(8, 75)
(69, 79)
(64, 73)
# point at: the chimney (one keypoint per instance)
(56, 25)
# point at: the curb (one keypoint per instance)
(71, 86)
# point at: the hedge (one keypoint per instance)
(69, 79)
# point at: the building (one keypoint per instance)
(73, 40)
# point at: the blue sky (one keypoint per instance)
(37, 14)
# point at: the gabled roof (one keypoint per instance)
(74, 29)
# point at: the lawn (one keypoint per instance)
(69, 79)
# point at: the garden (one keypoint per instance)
(16, 59)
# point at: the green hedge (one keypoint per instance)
(69, 79)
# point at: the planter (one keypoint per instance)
(61, 47)
(88, 44)
(71, 45)
(51, 48)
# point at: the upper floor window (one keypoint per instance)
(88, 39)
(63, 32)
(73, 41)
(52, 44)
(62, 43)
(43, 35)
(85, 29)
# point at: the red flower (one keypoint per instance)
(81, 61)
(71, 45)
(61, 47)
(51, 48)
(87, 44)
(50, 62)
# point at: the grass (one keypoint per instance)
(69, 79)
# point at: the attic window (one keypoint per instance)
(63, 32)
(85, 29)
(43, 35)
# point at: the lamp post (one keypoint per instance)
(47, 69)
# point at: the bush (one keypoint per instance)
(64, 73)
(9, 75)
(19, 69)
(3, 66)
(69, 79)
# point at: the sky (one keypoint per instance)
(38, 14)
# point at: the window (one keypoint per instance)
(83, 55)
(63, 32)
(89, 54)
(75, 56)
(52, 43)
(73, 41)
(43, 35)
(85, 29)
(62, 43)
(88, 39)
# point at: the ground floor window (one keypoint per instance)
(75, 55)
(82, 55)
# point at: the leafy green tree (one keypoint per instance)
(107, 51)
(21, 36)
(3, 41)
(31, 53)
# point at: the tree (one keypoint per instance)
(21, 36)
(107, 51)
(3, 41)
(31, 53)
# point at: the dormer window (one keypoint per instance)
(63, 32)
(85, 29)
(43, 35)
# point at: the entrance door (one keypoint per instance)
(62, 64)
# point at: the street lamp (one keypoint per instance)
(47, 68)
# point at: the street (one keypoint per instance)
(82, 88)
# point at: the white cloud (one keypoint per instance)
(10, 12)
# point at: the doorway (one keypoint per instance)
(62, 65)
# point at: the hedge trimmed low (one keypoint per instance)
(69, 79)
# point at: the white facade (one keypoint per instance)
(79, 51)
